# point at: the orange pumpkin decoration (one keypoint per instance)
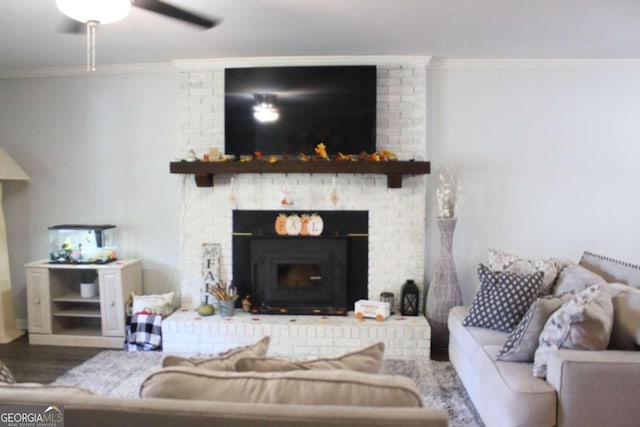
(305, 221)
(281, 225)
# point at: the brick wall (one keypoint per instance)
(396, 216)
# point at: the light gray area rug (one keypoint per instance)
(120, 374)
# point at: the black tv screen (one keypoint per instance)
(300, 107)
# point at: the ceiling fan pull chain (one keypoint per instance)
(91, 45)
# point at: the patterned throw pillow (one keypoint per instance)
(503, 298)
(6, 376)
(582, 323)
(153, 304)
(522, 343)
(502, 261)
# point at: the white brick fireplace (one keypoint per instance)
(396, 216)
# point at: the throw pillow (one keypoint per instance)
(368, 359)
(6, 377)
(312, 387)
(522, 343)
(224, 361)
(503, 298)
(502, 261)
(582, 323)
(625, 334)
(575, 278)
(153, 304)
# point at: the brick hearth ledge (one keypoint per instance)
(296, 336)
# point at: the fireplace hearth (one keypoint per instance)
(323, 274)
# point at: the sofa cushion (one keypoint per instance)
(6, 377)
(575, 278)
(503, 298)
(522, 343)
(223, 362)
(308, 387)
(502, 261)
(368, 359)
(582, 323)
(505, 394)
(625, 333)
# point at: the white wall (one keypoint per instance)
(97, 148)
(549, 154)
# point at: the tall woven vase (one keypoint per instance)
(444, 292)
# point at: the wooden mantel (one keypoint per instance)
(394, 169)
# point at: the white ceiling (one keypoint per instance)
(440, 28)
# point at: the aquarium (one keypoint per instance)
(82, 244)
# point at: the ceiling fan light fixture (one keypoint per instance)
(102, 11)
(265, 111)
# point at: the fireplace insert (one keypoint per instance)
(299, 275)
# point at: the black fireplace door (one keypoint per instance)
(299, 275)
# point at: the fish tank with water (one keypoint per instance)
(82, 244)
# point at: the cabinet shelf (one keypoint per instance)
(394, 169)
(76, 297)
(78, 312)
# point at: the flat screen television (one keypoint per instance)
(279, 110)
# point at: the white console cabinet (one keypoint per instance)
(58, 313)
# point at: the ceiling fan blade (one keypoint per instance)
(175, 12)
(71, 26)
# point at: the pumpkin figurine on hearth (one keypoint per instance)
(246, 304)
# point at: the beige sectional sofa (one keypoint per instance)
(582, 388)
(85, 410)
(243, 387)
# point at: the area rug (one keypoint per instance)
(120, 373)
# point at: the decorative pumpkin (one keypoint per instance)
(205, 310)
(281, 225)
(315, 225)
(293, 225)
(304, 231)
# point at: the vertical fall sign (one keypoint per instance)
(210, 265)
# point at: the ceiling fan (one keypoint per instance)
(91, 13)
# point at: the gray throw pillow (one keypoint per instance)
(503, 298)
(575, 278)
(582, 323)
(522, 343)
(625, 334)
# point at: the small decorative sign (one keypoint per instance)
(210, 269)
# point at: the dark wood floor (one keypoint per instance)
(42, 363)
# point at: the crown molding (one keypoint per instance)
(80, 71)
(533, 64)
(274, 61)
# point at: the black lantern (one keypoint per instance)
(410, 298)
